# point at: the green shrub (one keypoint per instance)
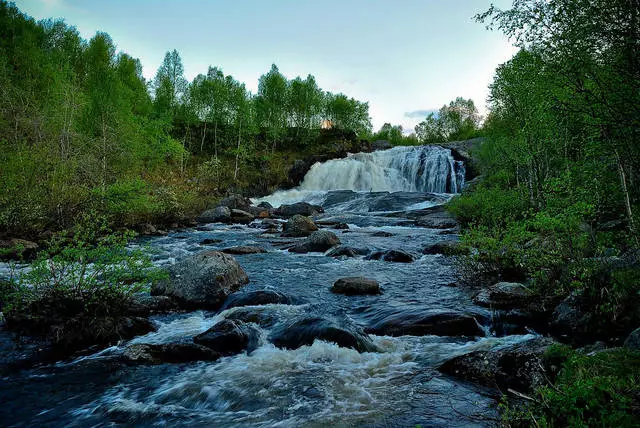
(97, 270)
(491, 207)
(591, 390)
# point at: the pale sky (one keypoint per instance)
(404, 57)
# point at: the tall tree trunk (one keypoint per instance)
(235, 172)
(627, 200)
(215, 139)
(204, 133)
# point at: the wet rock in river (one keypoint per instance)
(319, 241)
(143, 304)
(504, 295)
(382, 234)
(299, 225)
(356, 286)
(242, 217)
(306, 331)
(256, 298)
(211, 241)
(396, 256)
(17, 249)
(229, 337)
(243, 250)
(522, 367)
(221, 214)
(420, 322)
(168, 353)
(347, 251)
(235, 202)
(203, 281)
(299, 208)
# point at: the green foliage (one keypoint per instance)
(96, 269)
(590, 390)
(457, 121)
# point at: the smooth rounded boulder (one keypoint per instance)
(394, 256)
(299, 226)
(257, 298)
(143, 353)
(346, 251)
(229, 337)
(420, 322)
(299, 208)
(503, 295)
(203, 281)
(221, 214)
(307, 330)
(319, 241)
(355, 286)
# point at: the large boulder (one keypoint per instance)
(202, 281)
(436, 218)
(242, 217)
(235, 202)
(504, 295)
(396, 256)
(256, 298)
(221, 214)
(17, 249)
(522, 367)
(143, 304)
(354, 286)
(299, 208)
(229, 337)
(346, 251)
(420, 322)
(142, 353)
(633, 340)
(299, 225)
(305, 331)
(319, 241)
(243, 250)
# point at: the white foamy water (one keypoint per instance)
(429, 169)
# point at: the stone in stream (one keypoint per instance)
(202, 281)
(522, 366)
(305, 331)
(256, 298)
(346, 251)
(356, 286)
(235, 202)
(142, 353)
(242, 217)
(299, 208)
(229, 337)
(210, 241)
(319, 241)
(418, 322)
(221, 214)
(437, 218)
(504, 295)
(244, 249)
(299, 225)
(143, 304)
(397, 256)
(633, 340)
(382, 234)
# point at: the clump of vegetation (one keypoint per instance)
(591, 390)
(89, 276)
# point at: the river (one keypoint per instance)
(316, 385)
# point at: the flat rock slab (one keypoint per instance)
(503, 295)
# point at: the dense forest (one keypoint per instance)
(83, 131)
(559, 203)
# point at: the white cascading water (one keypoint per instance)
(430, 169)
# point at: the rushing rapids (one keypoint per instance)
(395, 383)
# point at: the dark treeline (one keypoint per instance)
(559, 205)
(81, 130)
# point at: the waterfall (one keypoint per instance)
(428, 169)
